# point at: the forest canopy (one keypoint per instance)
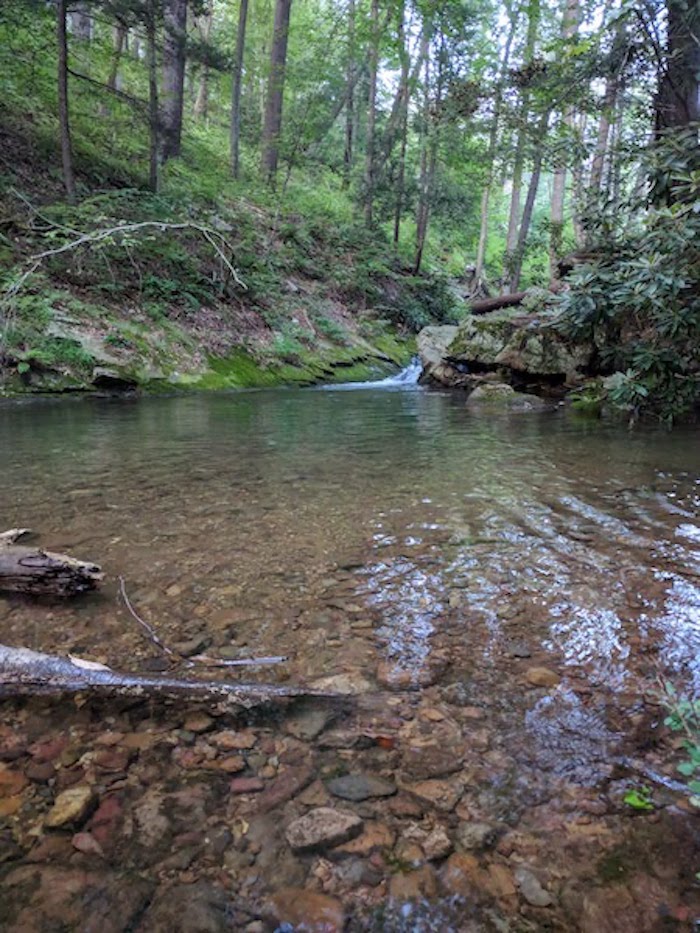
(486, 141)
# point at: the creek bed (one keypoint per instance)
(502, 593)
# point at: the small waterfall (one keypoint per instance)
(406, 379)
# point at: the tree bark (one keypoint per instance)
(484, 305)
(201, 104)
(275, 92)
(528, 209)
(372, 114)
(236, 89)
(24, 672)
(63, 104)
(556, 219)
(678, 96)
(36, 572)
(172, 97)
(119, 41)
(349, 150)
(491, 156)
(519, 158)
(153, 103)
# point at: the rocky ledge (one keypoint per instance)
(508, 346)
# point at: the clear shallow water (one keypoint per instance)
(393, 536)
(261, 509)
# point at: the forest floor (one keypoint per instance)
(191, 288)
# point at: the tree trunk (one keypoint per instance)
(153, 103)
(275, 93)
(491, 156)
(485, 305)
(601, 146)
(119, 40)
(678, 96)
(529, 207)
(63, 106)
(201, 104)
(348, 153)
(172, 98)
(556, 221)
(401, 179)
(372, 114)
(404, 95)
(236, 89)
(519, 158)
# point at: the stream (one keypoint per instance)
(504, 596)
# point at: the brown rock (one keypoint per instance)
(72, 899)
(12, 783)
(71, 807)
(542, 677)
(9, 805)
(442, 795)
(432, 761)
(413, 885)
(246, 785)
(500, 881)
(463, 875)
(322, 828)
(87, 844)
(375, 837)
(198, 723)
(437, 844)
(231, 764)
(234, 741)
(306, 911)
(283, 788)
(40, 771)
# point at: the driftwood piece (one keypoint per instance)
(31, 570)
(24, 672)
(484, 305)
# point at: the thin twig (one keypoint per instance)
(148, 629)
(198, 659)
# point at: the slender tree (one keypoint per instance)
(204, 26)
(236, 89)
(491, 156)
(533, 22)
(272, 125)
(370, 166)
(556, 219)
(63, 104)
(172, 96)
(153, 102)
(348, 153)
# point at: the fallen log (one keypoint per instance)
(36, 572)
(24, 672)
(484, 305)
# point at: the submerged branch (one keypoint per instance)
(25, 672)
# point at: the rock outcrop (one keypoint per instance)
(508, 346)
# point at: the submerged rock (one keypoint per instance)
(71, 807)
(501, 395)
(305, 911)
(322, 828)
(531, 889)
(359, 787)
(542, 677)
